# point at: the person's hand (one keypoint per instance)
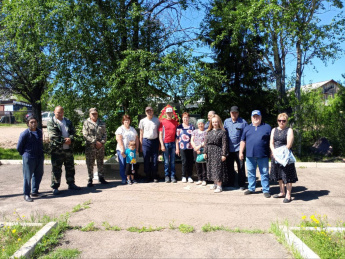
(198, 152)
(137, 152)
(123, 154)
(205, 156)
(98, 144)
(177, 152)
(163, 148)
(241, 156)
(223, 158)
(68, 141)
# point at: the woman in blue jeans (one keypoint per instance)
(30, 147)
(124, 134)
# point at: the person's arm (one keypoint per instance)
(119, 139)
(21, 143)
(177, 147)
(89, 139)
(137, 144)
(242, 147)
(161, 140)
(104, 135)
(272, 141)
(205, 147)
(290, 138)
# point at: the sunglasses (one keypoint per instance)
(283, 121)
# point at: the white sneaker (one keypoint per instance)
(213, 187)
(219, 189)
(184, 179)
(204, 183)
(190, 180)
(198, 182)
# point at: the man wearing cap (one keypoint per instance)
(61, 137)
(168, 140)
(255, 140)
(95, 136)
(209, 117)
(234, 127)
(149, 143)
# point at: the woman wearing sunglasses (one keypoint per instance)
(285, 175)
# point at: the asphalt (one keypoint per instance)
(319, 191)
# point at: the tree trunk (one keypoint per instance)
(298, 95)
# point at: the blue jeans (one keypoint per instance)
(32, 172)
(252, 163)
(169, 158)
(150, 154)
(122, 163)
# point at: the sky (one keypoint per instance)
(316, 72)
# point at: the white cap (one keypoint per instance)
(169, 109)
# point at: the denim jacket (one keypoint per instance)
(283, 155)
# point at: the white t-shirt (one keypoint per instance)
(64, 132)
(149, 127)
(127, 135)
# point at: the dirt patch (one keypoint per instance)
(10, 135)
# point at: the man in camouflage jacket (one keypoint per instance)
(61, 135)
(95, 136)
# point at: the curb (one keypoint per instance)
(29, 247)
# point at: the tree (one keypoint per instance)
(26, 59)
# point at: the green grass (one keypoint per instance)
(13, 237)
(183, 228)
(16, 125)
(107, 226)
(10, 153)
(62, 253)
(89, 227)
(208, 228)
(144, 229)
(80, 207)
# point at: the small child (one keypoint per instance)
(130, 162)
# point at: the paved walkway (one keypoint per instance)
(319, 190)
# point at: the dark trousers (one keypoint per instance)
(150, 153)
(187, 162)
(32, 172)
(241, 180)
(58, 159)
(200, 169)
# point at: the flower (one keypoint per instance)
(304, 217)
(14, 231)
(19, 239)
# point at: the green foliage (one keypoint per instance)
(80, 207)
(9, 154)
(208, 228)
(144, 229)
(89, 227)
(20, 115)
(107, 226)
(62, 253)
(183, 228)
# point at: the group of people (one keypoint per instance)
(212, 148)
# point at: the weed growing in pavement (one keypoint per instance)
(144, 229)
(172, 225)
(107, 226)
(80, 207)
(325, 243)
(62, 253)
(186, 228)
(208, 228)
(89, 227)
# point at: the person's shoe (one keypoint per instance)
(155, 180)
(267, 195)
(90, 184)
(242, 188)
(134, 181)
(204, 183)
(247, 192)
(28, 198)
(167, 179)
(102, 180)
(198, 182)
(129, 182)
(287, 200)
(124, 181)
(218, 189)
(213, 187)
(278, 196)
(56, 191)
(184, 179)
(173, 180)
(36, 195)
(190, 180)
(72, 186)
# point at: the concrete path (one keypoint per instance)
(318, 191)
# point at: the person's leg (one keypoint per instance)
(57, 160)
(69, 167)
(282, 188)
(90, 160)
(100, 162)
(204, 172)
(288, 191)
(154, 158)
(241, 170)
(263, 167)
(231, 169)
(166, 160)
(172, 159)
(147, 157)
(184, 162)
(37, 175)
(190, 162)
(27, 173)
(251, 169)
(198, 167)
(128, 172)
(122, 165)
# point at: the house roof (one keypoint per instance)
(313, 86)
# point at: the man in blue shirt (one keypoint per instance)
(234, 127)
(255, 140)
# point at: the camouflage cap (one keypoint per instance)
(93, 110)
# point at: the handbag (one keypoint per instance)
(200, 157)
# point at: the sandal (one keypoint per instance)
(287, 200)
(278, 196)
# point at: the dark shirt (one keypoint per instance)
(30, 144)
(257, 140)
(234, 131)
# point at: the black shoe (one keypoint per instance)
(247, 192)
(267, 195)
(28, 198)
(55, 192)
(102, 180)
(37, 195)
(287, 200)
(73, 187)
(90, 184)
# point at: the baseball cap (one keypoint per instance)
(169, 109)
(234, 109)
(256, 112)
